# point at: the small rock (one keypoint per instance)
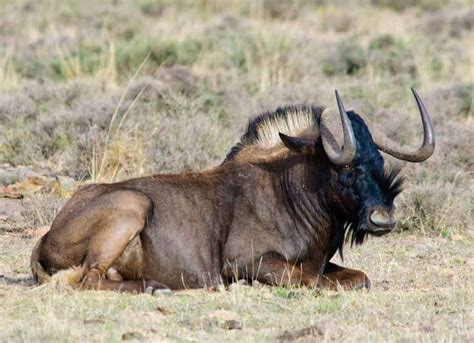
(315, 332)
(232, 325)
(19, 189)
(10, 175)
(132, 336)
(221, 317)
(161, 309)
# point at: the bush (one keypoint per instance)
(162, 52)
(85, 60)
(151, 8)
(442, 208)
(401, 5)
(349, 59)
(125, 58)
(391, 56)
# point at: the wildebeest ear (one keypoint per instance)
(298, 144)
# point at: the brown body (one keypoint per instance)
(188, 231)
(276, 211)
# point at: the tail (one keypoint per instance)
(67, 278)
(40, 275)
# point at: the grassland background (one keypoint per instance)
(105, 90)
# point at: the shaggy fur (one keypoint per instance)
(290, 209)
(263, 130)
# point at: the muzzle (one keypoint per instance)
(380, 220)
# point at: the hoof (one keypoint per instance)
(157, 291)
(156, 288)
(162, 291)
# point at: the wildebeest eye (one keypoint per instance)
(347, 177)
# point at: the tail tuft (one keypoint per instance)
(68, 278)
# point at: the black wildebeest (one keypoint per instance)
(276, 210)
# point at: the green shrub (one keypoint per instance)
(151, 8)
(86, 59)
(29, 69)
(436, 66)
(162, 52)
(349, 59)
(58, 142)
(17, 145)
(401, 5)
(391, 56)
(353, 57)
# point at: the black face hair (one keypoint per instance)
(352, 231)
(355, 232)
(391, 183)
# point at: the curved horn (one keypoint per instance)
(418, 155)
(337, 155)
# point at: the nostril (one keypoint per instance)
(382, 219)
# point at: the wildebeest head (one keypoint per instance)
(347, 160)
(365, 190)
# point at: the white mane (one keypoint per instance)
(292, 124)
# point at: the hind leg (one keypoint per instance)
(94, 230)
(119, 228)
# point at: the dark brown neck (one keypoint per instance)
(305, 198)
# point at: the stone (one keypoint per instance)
(132, 336)
(232, 324)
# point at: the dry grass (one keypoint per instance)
(75, 99)
(422, 291)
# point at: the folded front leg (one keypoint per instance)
(335, 276)
(274, 270)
